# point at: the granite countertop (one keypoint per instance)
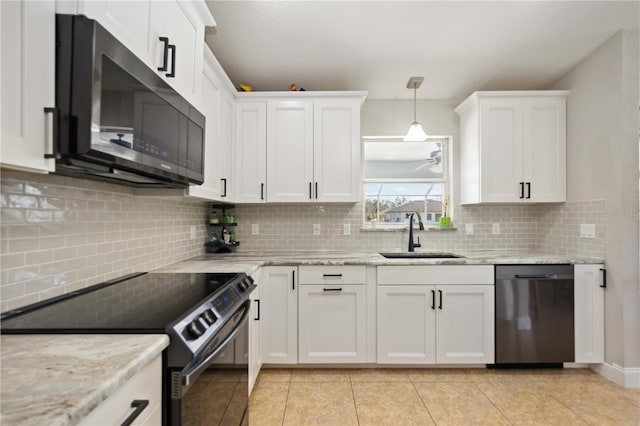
(60, 379)
(249, 262)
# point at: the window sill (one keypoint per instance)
(406, 228)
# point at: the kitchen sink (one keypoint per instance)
(414, 255)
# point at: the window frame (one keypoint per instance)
(446, 181)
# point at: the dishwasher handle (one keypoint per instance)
(542, 276)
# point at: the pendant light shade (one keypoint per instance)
(416, 133)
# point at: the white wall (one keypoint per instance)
(602, 157)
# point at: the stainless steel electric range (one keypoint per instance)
(205, 316)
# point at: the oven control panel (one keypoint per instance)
(214, 313)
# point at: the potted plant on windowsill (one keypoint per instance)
(445, 220)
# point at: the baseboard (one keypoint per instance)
(625, 377)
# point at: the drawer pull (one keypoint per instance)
(332, 289)
(293, 279)
(604, 278)
(139, 405)
(331, 275)
(440, 303)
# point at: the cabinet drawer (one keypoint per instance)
(436, 274)
(145, 385)
(326, 275)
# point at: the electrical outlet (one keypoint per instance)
(496, 228)
(469, 228)
(316, 229)
(587, 230)
(255, 229)
(192, 231)
(346, 229)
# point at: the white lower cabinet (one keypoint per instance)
(332, 314)
(279, 311)
(406, 325)
(145, 386)
(451, 322)
(255, 334)
(332, 323)
(589, 313)
(465, 331)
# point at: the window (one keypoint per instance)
(404, 177)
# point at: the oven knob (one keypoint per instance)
(195, 329)
(209, 317)
(241, 287)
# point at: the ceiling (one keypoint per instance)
(457, 46)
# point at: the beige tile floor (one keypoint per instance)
(440, 396)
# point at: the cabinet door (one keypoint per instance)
(226, 152)
(545, 149)
(589, 313)
(127, 21)
(168, 19)
(406, 325)
(251, 154)
(280, 315)
(27, 67)
(210, 188)
(290, 151)
(255, 336)
(336, 149)
(332, 323)
(465, 324)
(501, 150)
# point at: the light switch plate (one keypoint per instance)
(255, 229)
(587, 230)
(346, 229)
(316, 229)
(469, 228)
(496, 229)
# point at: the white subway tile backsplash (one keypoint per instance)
(62, 234)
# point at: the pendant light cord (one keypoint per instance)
(414, 103)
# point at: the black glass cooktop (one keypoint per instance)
(143, 304)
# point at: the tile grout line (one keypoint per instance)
(353, 395)
(424, 404)
(493, 403)
(286, 400)
(566, 406)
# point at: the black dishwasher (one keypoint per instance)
(534, 315)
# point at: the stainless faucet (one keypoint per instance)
(413, 245)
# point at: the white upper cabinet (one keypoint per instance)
(217, 104)
(167, 35)
(27, 85)
(226, 153)
(127, 21)
(513, 147)
(336, 149)
(290, 151)
(251, 152)
(312, 147)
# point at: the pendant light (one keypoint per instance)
(415, 133)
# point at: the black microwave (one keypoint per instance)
(115, 119)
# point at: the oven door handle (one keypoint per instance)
(189, 374)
